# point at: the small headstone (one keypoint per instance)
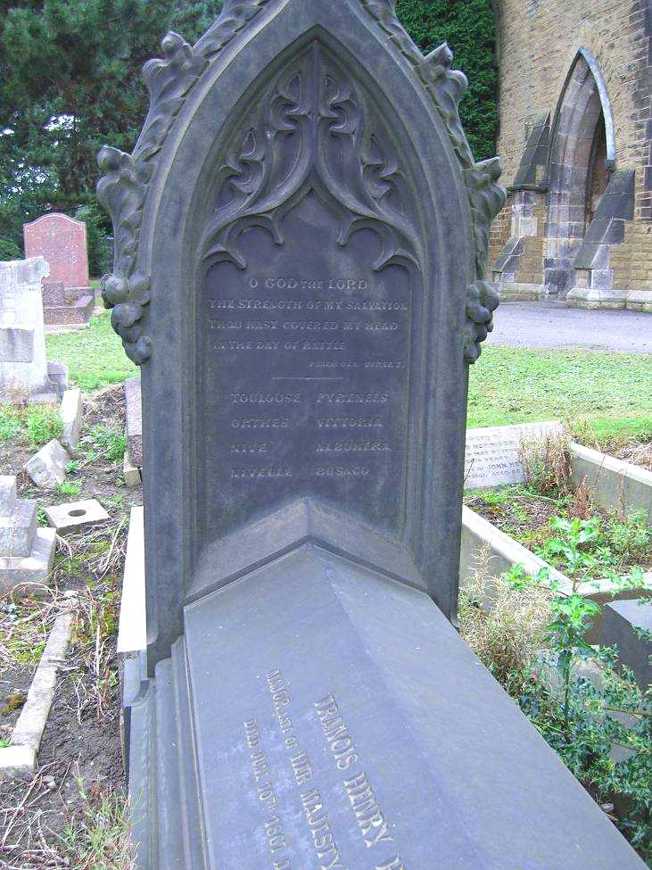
(494, 454)
(26, 551)
(67, 297)
(24, 369)
(47, 468)
(71, 413)
(76, 515)
(134, 424)
(627, 625)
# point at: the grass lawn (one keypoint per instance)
(608, 393)
(611, 394)
(94, 356)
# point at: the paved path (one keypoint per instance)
(553, 326)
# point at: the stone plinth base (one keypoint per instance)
(511, 292)
(595, 297)
(67, 306)
(640, 300)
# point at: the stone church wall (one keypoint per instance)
(539, 44)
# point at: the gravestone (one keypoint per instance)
(24, 369)
(301, 239)
(494, 455)
(67, 297)
(627, 626)
(26, 551)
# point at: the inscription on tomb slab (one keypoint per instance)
(494, 454)
(308, 306)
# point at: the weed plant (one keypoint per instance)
(587, 707)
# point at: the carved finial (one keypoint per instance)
(440, 56)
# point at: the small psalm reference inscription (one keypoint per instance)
(374, 829)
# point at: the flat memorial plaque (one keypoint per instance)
(493, 454)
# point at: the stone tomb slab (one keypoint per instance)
(493, 454)
(354, 729)
(76, 515)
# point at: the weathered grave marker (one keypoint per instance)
(26, 551)
(494, 454)
(301, 239)
(61, 240)
(24, 369)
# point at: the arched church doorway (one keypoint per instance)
(582, 154)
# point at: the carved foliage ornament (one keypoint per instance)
(124, 187)
(311, 131)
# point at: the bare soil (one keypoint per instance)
(42, 819)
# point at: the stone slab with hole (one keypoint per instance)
(76, 515)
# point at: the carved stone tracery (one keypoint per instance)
(123, 189)
(287, 152)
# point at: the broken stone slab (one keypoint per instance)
(71, 416)
(76, 515)
(47, 468)
(134, 421)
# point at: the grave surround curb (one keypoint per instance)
(19, 758)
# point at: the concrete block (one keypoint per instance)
(71, 416)
(76, 515)
(35, 568)
(47, 468)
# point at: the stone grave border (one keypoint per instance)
(612, 483)
(19, 758)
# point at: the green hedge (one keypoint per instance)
(469, 28)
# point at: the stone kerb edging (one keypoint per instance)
(612, 483)
(487, 549)
(19, 758)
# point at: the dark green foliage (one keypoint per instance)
(70, 82)
(469, 28)
(9, 250)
